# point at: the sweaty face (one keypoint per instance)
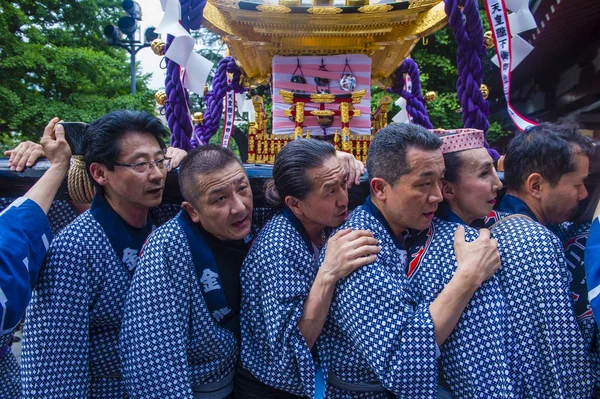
(559, 203)
(224, 205)
(474, 194)
(414, 199)
(327, 203)
(127, 188)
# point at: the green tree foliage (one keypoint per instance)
(54, 61)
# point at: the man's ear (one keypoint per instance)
(448, 190)
(191, 211)
(294, 204)
(98, 172)
(379, 188)
(534, 185)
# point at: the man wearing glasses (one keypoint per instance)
(70, 346)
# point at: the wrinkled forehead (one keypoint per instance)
(330, 172)
(223, 179)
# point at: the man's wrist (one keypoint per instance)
(469, 282)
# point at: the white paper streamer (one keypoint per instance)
(501, 29)
(181, 50)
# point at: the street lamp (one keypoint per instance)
(132, 40)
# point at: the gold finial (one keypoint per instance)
(160, 97)
(158, 47)
(198, 118)
(430, 96)
(484, 91)
(488, 40)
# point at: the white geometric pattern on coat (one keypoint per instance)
(276, 278)
(169, 339)
(474, 356)
(549, 348)
(375, 331)
(70, 338)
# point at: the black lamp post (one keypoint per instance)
(132, 40)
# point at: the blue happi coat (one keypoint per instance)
(474, 357)
(276, 278)
(169, 339)
(376, 331)
(24, 240)
(60, 214)
(550, 349)
(575, 238)
(70, 338)
(592, 267)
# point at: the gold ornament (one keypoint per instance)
(158, 47)
(488, 40)
(198, 118)
(484, 91)
(279, 9)
(160, 97)
(430, 96)
(375, 8)
(324, 10)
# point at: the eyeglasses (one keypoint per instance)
(144, 167)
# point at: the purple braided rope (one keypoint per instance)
(191, 13)
(214, 99)
(415, 104)
(468, 33)
(176, 110)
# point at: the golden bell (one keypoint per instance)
(484, 91)
(198, 118)
(160, 97)
(205, 90)
(488, 40)
(430, 96)
(158, 47)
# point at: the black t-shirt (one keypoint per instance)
(229, 256)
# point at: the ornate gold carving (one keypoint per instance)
(345, 112)
(322, 98)
(325, 112)
(375, 8)
(276, 9)
(358, 95)
(422, 3)
(356, 112)
(288, 96)
(299, 112)
(346, 144)
(287, 112)
(324, 10)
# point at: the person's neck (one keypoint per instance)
(532, 203)
(135, 216)
(467, 219)
(398, 231)
(314, 230)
